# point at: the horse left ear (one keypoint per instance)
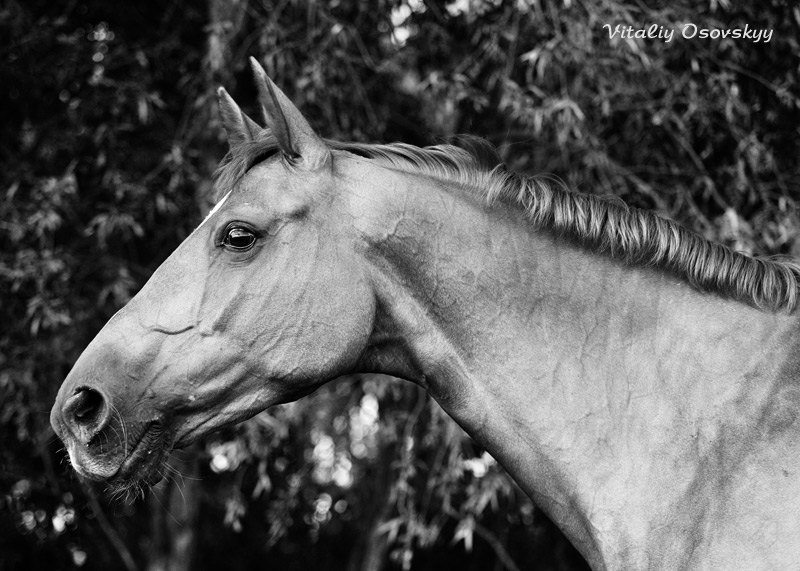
(239, 127)
(297, 140)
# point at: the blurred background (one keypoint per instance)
(109, 137)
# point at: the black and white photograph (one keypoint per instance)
(400, 285)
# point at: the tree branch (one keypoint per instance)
(109, 530)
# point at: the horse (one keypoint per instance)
(639, 382)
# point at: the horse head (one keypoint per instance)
(241, 316)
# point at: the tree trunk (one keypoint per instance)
(174, 507)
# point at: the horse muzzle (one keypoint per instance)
(102, 445)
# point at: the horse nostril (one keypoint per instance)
(85, 407)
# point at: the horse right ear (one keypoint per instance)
(239, 127)
(297, 140)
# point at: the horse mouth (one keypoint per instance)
(144, 459)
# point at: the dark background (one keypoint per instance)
(108, 139)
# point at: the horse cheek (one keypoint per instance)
(335, 329)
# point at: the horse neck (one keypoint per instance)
(592, 383)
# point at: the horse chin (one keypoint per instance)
(143, 467)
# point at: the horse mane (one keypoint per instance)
(602, 224)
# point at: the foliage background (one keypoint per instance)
(108, 139)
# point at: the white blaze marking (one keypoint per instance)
(217, 206)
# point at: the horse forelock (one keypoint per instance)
(601, 224)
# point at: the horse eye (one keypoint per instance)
(239, 239)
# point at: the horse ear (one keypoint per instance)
(296, 139)
(240, 127)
